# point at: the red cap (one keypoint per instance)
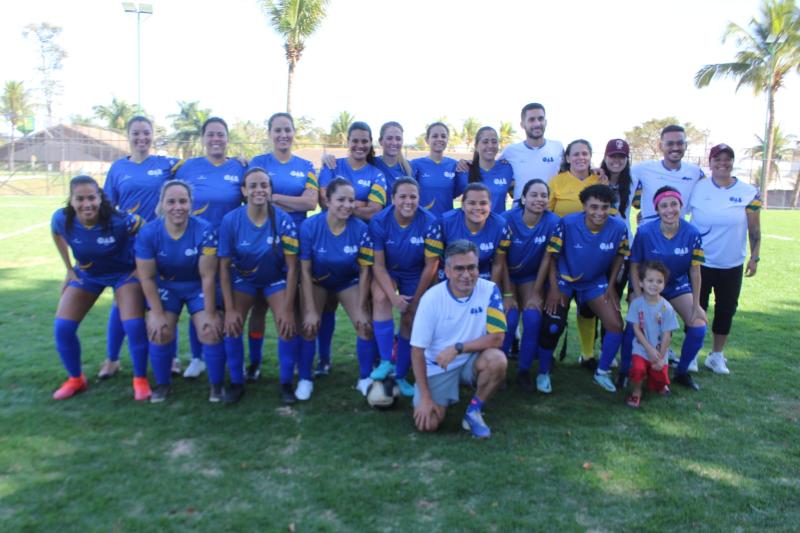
(618, 146)
(718, 149)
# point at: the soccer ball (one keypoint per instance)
(383, 394)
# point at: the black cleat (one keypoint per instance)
(253, 372)
(159, 393)
(686, 381)
(589, 363)
(216, 394)
(287, 394)
(525, 382)
(233, 393)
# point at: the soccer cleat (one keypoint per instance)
(71, 387)
(233, 393)
(693, 365)
(686, 381)
(176, 367)
(543, 384)
(473, 422)
(717, 363)
(622, 380)
(195, 369)
(141, 389)
(363, 385)
(160, 393)
(406, 388)
(304, 389)
(108, 369)
(604, 380)
(524, 381)
(323, 369)
(589, 363)
(633, 401)
(383, 371)
(252, 372)
(287, 395)
(216, 393)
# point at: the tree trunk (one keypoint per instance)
(767, 167)
(11, 150)
(289, 82)
(795, 191)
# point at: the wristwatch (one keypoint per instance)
(459, 347)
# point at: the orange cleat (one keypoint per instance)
(141, 389)
(70, 388)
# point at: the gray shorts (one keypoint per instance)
(444, 386)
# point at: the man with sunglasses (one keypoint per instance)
(456, 338)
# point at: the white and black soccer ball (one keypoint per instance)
(383, 394)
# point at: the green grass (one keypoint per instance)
(726, 458)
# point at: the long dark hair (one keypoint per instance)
(565, 164)
(475, 168)
(623, 184)
(270, 208)
(363, 126)
(106, 211)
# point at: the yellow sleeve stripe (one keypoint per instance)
(433, 248)
(311, 182)
(698, 257)
(377, 194)
(495, 321)
(365, 256)
(177, 165)
(210, 250)
(288, 240)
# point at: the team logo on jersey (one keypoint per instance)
(415, 240)
(735, 199)
(476, 310)
(607, 246)
(162, 253)
(681, 251)
(486, 246)
(155, 172)
(541, 239)
(449, 175)
(686, 178)
(189, 252)
(270, 240)
(201, 177)
(244, 243)
(547, 159)
(500, 181)
(297, 174)
(106, 241)
(126, 177)
(364, 183)
(231, 178)
(350, 250)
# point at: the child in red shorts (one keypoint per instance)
(653, 320)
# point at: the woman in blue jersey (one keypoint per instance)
(335, 255)
(531, 226)
(678, 245)
(295, 190)
(101, 240)
(216, 183)
(436, 174)
(407, 243)
(476, 223)
(176, 262)
(258, 256)
(499, 178)
(132, 185)
(391, 161)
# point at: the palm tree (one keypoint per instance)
(295, 21)
(506, 134)
(339, 127)
(188, 124)
(783, 147)
(469, 130)
(117, 114)
(17, 107)
(769, 49)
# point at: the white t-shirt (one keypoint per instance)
(721, 216)
(652, 175)
(443, 320)
(529, 163)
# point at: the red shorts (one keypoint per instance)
(656, 380)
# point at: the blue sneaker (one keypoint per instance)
(383, 371)
(543, 383)
(406, 388)
(604, 380)
(473, 422)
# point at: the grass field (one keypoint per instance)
(724, 459)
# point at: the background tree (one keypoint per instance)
(306, 132)
(17, 106)
(187, 126)
(469, 130)
(339, 127)
(645, 138)
(769, 49)
(116, 115)
(248, 139)
(783, 148)
(295, 21)
(79, 120)
(506, 134)
(51, 56)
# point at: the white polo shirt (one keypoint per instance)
(649, 176)
(541, 162)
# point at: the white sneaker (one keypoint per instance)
(716, 362)
(195, 368)
(304, 389)
(693, 365)
(363, 385)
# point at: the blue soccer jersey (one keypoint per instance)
(438, 185)
(216, 189)
(134, 187)
(682, 251)
(100, 250)
(406, 247)
(498, 179)
(335, 259)
(369, 182)
(585, 256)
(390, 173)
(177, 260)
(258, 252)
(492, 239)
(289, 179)
(528, 244)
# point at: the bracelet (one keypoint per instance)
(755, 258)
(508, 295)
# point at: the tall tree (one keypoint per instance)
(187, 124)
(469, 130)
(783, 148)
(506, 134)
(339, 127)
(769, 49)
(16, 107)
(645, 139)
(295, 21)
(51, 56)
(116, 115)
(248, 139)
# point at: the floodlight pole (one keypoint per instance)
(139, 10)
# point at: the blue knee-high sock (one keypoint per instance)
(234, 358)
(161, 360)
(608, 350)
(255, 345)
(115, 334)
(327, 325)
(531, 323)
(403, 357)
(194, 342)
(136, 331)
(691, 345)
(384, 337)
(306, 362)
(287, 355)
(512, 321)
(626, 350)
(214, 355)
(545, 359)
(365, 351)
(68, 345)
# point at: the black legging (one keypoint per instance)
(727, 285)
